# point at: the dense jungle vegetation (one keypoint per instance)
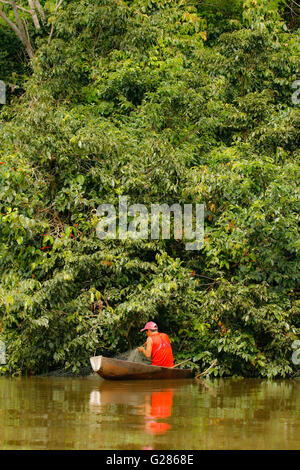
(164, 101)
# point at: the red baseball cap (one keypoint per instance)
(150, 326)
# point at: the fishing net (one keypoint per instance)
(83, 371)
(132, 355)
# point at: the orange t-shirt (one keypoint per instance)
(162, 354)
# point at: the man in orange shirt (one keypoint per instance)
(158, 346)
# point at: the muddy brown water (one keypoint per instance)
(90, 413)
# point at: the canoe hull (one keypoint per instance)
(116, 369)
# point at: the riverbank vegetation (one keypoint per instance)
(164, 101)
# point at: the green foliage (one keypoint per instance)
(165, 102)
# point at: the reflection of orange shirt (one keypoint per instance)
(161, 404)
(162, 354)
(161, 407)
(158, 428)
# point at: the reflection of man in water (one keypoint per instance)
(158, 346)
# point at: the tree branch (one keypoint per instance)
(26, 29)
(18, 19)
(33, 14)
(58, 3)
(40, 9)
(205, 372)
(12, 25)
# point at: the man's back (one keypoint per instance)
(162, 354)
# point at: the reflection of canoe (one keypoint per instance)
(131, 392)
(116, 369)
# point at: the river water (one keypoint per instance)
(90, 413)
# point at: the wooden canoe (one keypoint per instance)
(116, 369)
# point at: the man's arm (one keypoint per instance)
(148, 350)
